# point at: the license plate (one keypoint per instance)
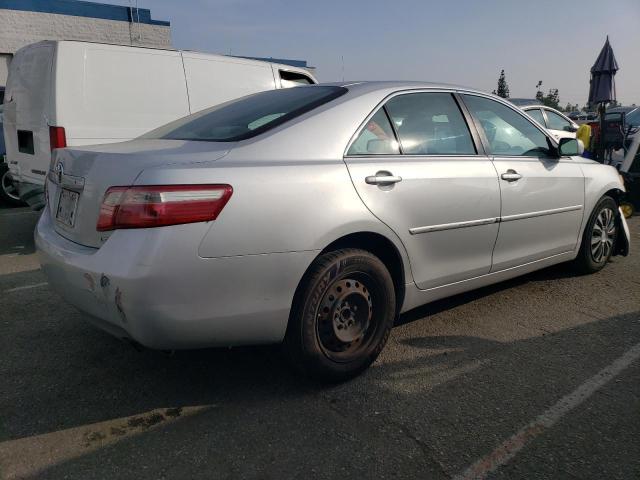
(67, 205)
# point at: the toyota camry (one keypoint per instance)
(314, 216)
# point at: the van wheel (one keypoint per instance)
(8, 191)
(599, 237)
(342, 315)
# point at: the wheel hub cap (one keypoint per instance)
(604, 230)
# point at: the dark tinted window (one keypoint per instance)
(376, 138)
(536, 114)
(247, 116)
(507, 132)
(294, 79)
(430, 124)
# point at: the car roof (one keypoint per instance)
(525, 102)
(362, 87)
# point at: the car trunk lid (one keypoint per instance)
(78, 178)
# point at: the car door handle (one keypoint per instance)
(511, 176)
(382, 178)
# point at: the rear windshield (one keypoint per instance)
(248, 116)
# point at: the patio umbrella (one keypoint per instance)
(602, 87)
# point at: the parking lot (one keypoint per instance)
(538, 377)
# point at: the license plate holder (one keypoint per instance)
(67, 205)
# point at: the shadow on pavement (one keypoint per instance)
(438, 411)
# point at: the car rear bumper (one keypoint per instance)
(149, 285)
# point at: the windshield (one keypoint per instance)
(633, 118)
(248, 116)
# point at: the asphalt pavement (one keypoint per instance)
(538, 377)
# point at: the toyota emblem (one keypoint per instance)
(59, 171)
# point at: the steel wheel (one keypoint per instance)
(344, 317)
(603, 235)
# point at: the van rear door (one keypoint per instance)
(215, 79)
(27, 109)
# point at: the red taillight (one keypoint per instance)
(161, 205)
(57, 137)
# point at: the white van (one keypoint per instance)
(68, 93)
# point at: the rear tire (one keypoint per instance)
(8, 192)
(599, 238)
(342, 315)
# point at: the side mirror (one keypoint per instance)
(570, 147)
(570, 128)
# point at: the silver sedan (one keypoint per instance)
(314, 216)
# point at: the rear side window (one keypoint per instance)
(536, 114)
(430, 124)
(377, 138)
(294, 79)
(248, 116)
(556, 122)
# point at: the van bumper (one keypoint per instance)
(150, 286)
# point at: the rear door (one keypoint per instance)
(420, 169)
(26, 112)
(542, 195)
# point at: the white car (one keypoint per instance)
(558, 124)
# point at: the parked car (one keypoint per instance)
(558, 124)
(71, 93)
(314, 216)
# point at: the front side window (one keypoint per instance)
(536, 114)
(248, 116)
(430, 124)
(376, 138)
(556, 122)
(507, 132)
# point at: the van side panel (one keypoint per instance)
(110, 93)
(27, 111)
(214, 79)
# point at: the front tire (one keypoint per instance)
(599, 238)
(342, 315)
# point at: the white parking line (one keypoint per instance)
(25, 287)
(510, 447)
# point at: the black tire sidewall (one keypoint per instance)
(302, 340)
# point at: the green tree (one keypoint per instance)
(539, 94)
(503, 86)
(552, 99)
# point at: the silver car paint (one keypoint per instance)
(232, 281)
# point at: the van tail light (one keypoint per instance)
(57, 137)
(160, 205)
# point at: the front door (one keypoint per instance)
(416, 166)
(542, 195)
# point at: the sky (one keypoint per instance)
(463, 42)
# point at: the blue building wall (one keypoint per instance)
(79, 8)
